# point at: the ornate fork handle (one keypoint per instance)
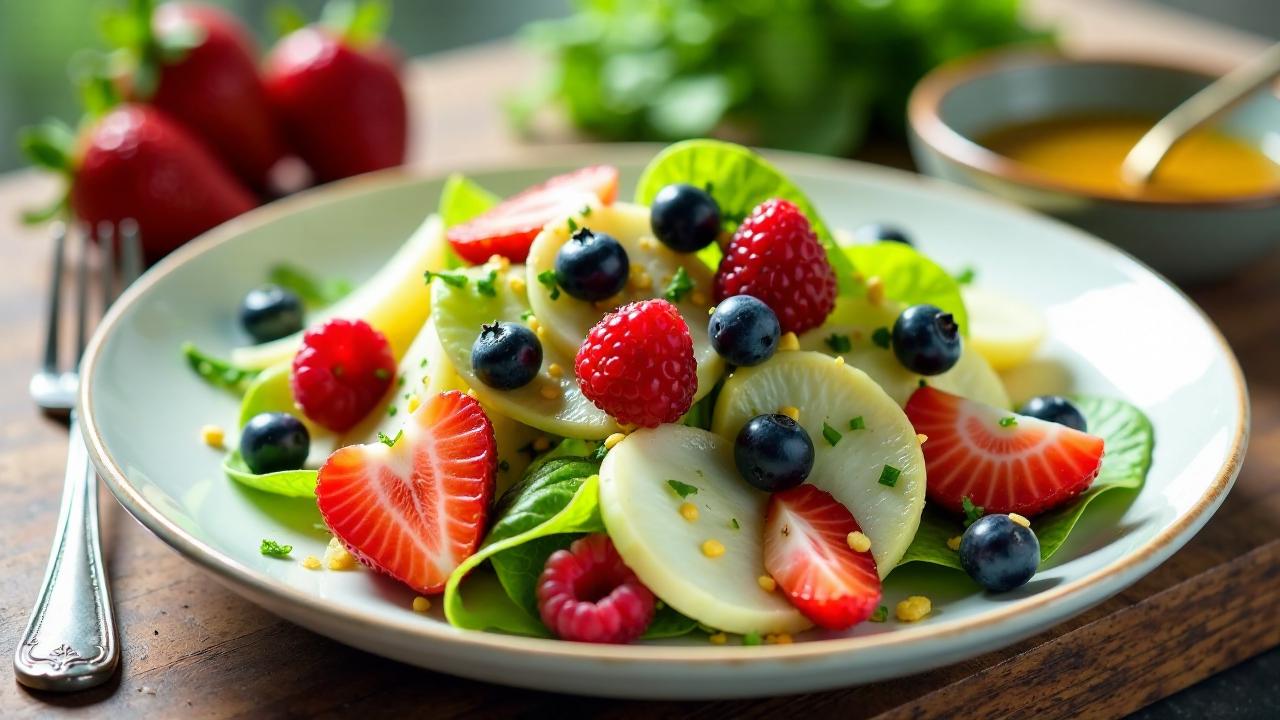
(70, 642)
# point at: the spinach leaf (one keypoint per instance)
(290, 483)
(910, 277)
(1129, 439)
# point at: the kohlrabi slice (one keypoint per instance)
(554, 404)
(867, 453)
(394, 300)
(653, 266)
(644, 480)
(1004, 330)
(971, 376)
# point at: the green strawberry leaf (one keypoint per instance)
(739, 180)
(1129, 439)
(910, 277)
(289, 483)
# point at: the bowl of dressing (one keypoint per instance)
(1050, 132)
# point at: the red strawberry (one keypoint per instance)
(417, 508)
(134, 162)
(341, 372)
(199, 65)
(776, 257)
(343, 109)
(637, 364)
(1024, 465)
(509, 228)
(806, 550)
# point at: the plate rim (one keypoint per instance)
(1140, 561)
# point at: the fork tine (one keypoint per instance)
(130, 251)
(55, 298)
(107, 262)
(82, 290)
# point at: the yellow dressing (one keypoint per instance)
(1086, 152)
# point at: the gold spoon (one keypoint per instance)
(1202, 108)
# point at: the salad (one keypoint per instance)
(562, 414)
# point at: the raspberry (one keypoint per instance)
(341, 372)
(776, 257)
(637, 364)
(587, 594)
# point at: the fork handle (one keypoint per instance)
(70, 642)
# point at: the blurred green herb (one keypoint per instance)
(809, 75)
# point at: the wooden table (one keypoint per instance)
(193, 649)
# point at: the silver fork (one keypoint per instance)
(70, 642)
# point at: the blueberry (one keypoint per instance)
(270, 313)
(685, 218)
(1055, 409)
(744, 330)
(592, 266)
(876, 232)
(998, 553)
(773, 452)
(274, 441)
(926, 340)
(506, 355)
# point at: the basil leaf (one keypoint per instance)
(289, 483)
(1129, 439)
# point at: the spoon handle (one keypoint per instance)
(1201, 108)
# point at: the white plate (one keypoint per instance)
(1115, 328)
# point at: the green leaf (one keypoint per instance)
(360, 23)
(909, 277)
(289, 483)
(462, 199)
(271, 548)
(48, 145)
(314, 292)
(284, 18)
(218, 372)
(831, 435)
(684, 490)
(680, 286)
(1128, 438)
(740, 180)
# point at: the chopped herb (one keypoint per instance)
(217, 372)
(839, 343)
(391, 411)
(524, 316)
(1008, 421)
(684, 490)
(271, 548)
(680, 286)
(400, 381)
(390, 441)
(423, 363)
(889, 475)
(966, 276)
(857, 424)
(573, 226)
(733, 522)
(699, 473)
(487, 286)
(586, 211)
(457, 280)
(880, 615)
(831, 435)
(971, 512)
(882, 337)
(381, 373)
(504, 466)
(313, 292)
(752, 638)
(922, 383)
(709, 187)
(548, 279)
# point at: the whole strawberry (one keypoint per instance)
(337, 93)
(199, 65)
(134, 162)
(776, 257)
(637, 364)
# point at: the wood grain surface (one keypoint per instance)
(193, 649)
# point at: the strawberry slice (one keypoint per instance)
(1001, 461)
(807, 552)
(417, 508)
(510, 227)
